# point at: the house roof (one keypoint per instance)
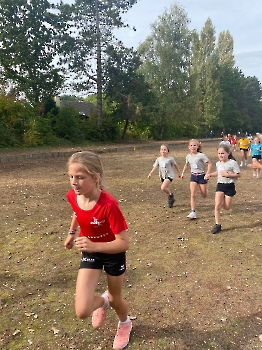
(84, 108)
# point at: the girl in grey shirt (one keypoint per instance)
(166, 165)
(197, 162)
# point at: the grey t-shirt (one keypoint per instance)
(230, 167)
(197, 162)
(166, 167)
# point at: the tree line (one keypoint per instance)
(177, 83)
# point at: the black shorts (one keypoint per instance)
(243, 149)
(113, 264)
(198, 178)
(257, 157)
(168, 178)
(228, 189)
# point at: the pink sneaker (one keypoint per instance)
(99, 315)
(122, 335)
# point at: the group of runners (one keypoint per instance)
(227, 172)
(103, 239)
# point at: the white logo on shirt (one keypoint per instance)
(96, 222)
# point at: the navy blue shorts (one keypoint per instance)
(257, 157)
(228, 189)
(198, 178)
(113, 264)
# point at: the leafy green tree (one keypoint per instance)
(165, 58)
(13, 118)
(205, 77)
(28, 47)
(251, 102)
(225, 49)
(70, 98)
(126, 88)
(67, 124)
(231, 116)
(87, 31)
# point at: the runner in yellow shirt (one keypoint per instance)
(244, 145)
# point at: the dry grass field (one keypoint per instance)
(186, 288)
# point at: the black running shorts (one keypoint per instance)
(113, 264)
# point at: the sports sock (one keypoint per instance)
(126, 321)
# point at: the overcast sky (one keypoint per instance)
(242, 18)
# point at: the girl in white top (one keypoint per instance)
(197, 162)
(227, 173)
(166, 165)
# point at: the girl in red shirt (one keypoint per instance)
(103, 242)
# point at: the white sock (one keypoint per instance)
(106, 303)
(126, 321)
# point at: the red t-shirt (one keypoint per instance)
(102, 222)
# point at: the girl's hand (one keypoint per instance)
(149, 175)
(207, 177)
(223, 173)
(69, 242)
(83, 244)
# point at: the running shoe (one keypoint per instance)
(99, 315)
(171, 200)
(216, 229)
(192, 215)
(122, 335)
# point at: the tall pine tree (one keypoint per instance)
(88, 31)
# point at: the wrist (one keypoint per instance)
(72, 231)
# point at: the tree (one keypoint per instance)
(205, 77)
(13, 117)
(225, 49)
(252, 97)
(88, 30)
(232, 93)
(28, 47)
(165, 58)
(126, 88)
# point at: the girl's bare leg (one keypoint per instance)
(227, 202)
(219, 199)
(203, 190)
(242, 156)
(85, 300)
(115, 296)
(193, 191)
(165, 186)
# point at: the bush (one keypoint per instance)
(39, 132)
(13, 118)
(68, 124)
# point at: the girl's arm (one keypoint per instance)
(255, 165)
(209, 166)
(184, 170)
(178, 170)
(74, 224)
(209, 175)
(151, 172)
(230, 176)
(119, 245)
(69, 242)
